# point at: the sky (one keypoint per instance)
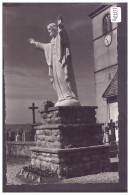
(25, 68)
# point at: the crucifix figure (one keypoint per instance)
(33, 111)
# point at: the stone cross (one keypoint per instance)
(33, 111)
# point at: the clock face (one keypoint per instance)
(107, 40)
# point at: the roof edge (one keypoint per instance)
(99, 10)
(103, 96)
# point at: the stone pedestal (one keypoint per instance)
(69, 143)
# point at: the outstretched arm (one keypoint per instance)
(45, 47)
(37, 44)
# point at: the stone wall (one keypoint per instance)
(69, 115)
(19, 148)
(72, 162)
(69, 136)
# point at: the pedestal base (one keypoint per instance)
(68, 136)
(69, 144)
(67, 163)
(70, 102)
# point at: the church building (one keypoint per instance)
(105, 64)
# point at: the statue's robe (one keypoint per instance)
(58, 57)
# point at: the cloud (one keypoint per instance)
(26, 71)
(17, 111)
(78, 24)
(19, 86)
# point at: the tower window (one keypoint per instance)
(106, 24)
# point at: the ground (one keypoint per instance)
(14, 165)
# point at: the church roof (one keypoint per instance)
(99, 10)
(112, 89)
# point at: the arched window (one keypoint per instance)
(106, 24)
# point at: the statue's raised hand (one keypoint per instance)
(31, 41)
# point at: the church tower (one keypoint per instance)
(105, 64)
